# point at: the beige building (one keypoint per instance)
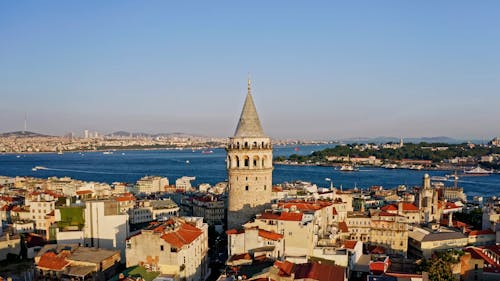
(249, 166)
(359, 225)
(389, 231)
(176, 247)
(151, 184)
(255, 241)
(297, 229)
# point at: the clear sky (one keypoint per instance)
(320, 69)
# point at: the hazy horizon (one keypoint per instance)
(320, 70)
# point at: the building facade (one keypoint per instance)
(176, 247)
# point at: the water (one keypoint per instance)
(129, 166)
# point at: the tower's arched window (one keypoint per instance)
(246, 144)
(255, 144)
(246, 188)
(255, 161)
(246, 162)
(237, 162)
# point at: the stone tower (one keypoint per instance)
(249, 167)
(428, 201)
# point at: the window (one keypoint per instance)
(246, 188)
(161, 247)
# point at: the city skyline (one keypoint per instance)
(324, 71)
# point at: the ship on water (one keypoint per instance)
(348, 168)
(39, 168)
(478, 171)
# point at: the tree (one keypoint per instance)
(440, 270)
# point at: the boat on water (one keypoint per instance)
(207, 151)
(478, 171)
(416, 167)
(187, 162)
(60, 152)
(36, 168)
(348, 168)
(452, 177)
(439, 178)
(296, 149)
(390, 166)
(107, 152)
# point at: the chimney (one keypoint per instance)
(400, 208)
(450, 219)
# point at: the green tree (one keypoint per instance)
(440, 270)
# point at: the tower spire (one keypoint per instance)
(249, 124)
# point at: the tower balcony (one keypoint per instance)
(249, 146)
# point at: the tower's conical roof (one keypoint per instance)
(249, 124)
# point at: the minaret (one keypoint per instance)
(249, 167)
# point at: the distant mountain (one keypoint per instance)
(22, 134)
(383, 139)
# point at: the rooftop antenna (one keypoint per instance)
(249, 84)
(25, 122)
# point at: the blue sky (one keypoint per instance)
(321, 69)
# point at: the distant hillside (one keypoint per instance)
(128, 134)
(439, 139)
(21, 134)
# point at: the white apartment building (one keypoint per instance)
(105, 226)
(151, 184)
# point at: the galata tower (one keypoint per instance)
(249, 167)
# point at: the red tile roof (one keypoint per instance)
(350, 244)
(377, 267)
(83, 192)
(343, 227)
(481, 232)
(386, 214)
(311, 271)
(284, 216)
(304, 205)
(481, 253)
(270, 235)
(407, 207)
(451, 205)
(390, 207)
(184, 235)
(285, 267)
(233, 231)
(125, 198)
(52, 261)
(376, 250)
